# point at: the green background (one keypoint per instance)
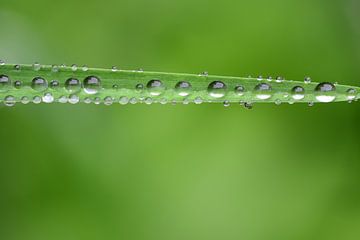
(183, 172)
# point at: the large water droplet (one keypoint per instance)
(92, 85)
(5, 83)
(73, 85)
(9, 101)
(325, 92)
(298, 93)
(155, 87)
(39, 84)
(217, 89)
(183, 88)
(263, 91)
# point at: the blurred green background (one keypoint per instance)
(183, 172)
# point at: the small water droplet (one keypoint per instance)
(92, 85)
(17, 67)
(307, 80)
(263, 91)
(48, 98)
(108, 101)
(97, 101)
(311, 104)
(198, 100)
(351, 94)
(133, 100)
(85, 68)
(124, 100)
(9, 101)
(269, 78)
(325, 92)
(163, 101)
(140, 70)
(54, 84)
(36, 66)
(55, 68)
(36, 100)
(298, 93)
(24, 100)
(87, 100)
(39, 84)
(2, 62)
(74, 99)
(114, 69)
(279, 79)
(217, 89)
(226, 103)
(204, 74)
(17, 84)
(139, 87)
(260, 78)
(148, 100)
(73, 85)
(183, 88)
(239, 90)
(63, 99)
(278, 102)
(155, 87)
(5, 83)
(248, 105)
(74, 67)
(115, 87)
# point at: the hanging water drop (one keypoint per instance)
(37, 100)
(48, 98)
(2, 62)
(183, 88)
(148, 100)
(217, 89)
(55, 68)
(24, 100)
(325, 92)
(74, 99)
(9, 101)
(97, 101)
(155, 87)
(124, 100)
(133, 100)
(39, 84)
(63, 99)
(263, 91)
(108, 101)
(226, 103)
(92, 85)
(17, 67)
(72, 85)
(298, 93)
(85, 68)
(74, 67)
(87, 100)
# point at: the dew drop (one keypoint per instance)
(92, 85)
(5, 83)
(239, 90)
(87, 100)
(133, 100)
(298, 93)
(217, 89)
(17, 67)
(72, 85)
(24, 100)
(55, 68)
(48, 98)
(248, 105)
(325, 92)
(115, 86)
(36, 100)
(155, 87)
(311, 104)
(54, 84)
(39, 84)
(9, 101)
(108, 101)
(85, 68)
(2, 62)
(260, 78)
(226, 103)
(63, 99)
(114, 69)
(351, 94)
(74, 67)
(139, 87)
(198, 100)
(278, 102)
(123, 100)
(263, 91)
(307, 80)
(279, 79)
(183, 88)
(149, 100)
(74, 99)
(97, 101)
(36, 66)
(163, 101)
(17, 84)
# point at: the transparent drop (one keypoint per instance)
(260, 78)
(92, 85)
(115, 87)
(248, 105)
(149, 100)
(263, 91)
(55, 68)
(74, 67)
(325, 92)
(298, 93)
(9, 101)
(279, 79)
(63, 99)
(74, 99)
(239, 90)
(36, 66)
(54, 84)
(5, 83)
(17, 67)
(97, 101)
(351, 94)
(108, 101)
(133, 100)
(226, 103)
(114, 69)
(278, 102)
(87, 100)
(139, 87)
(198, 100)
(2, 62)
(311, 104)
(24, 100)
(36, 100)
(163, 101)
(39, 84)
(17, 84)
(217, 89)
(123, 100)
(85, 68)
(73, 85)
(48, 98)
(307, 80)
(155, 87)
(183, 88)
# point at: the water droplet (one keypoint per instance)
(48, 98)
(263, 91)
(260, 78)
(85, 68)
(115, 87)
(92, 85)
(114, 69)
(24, 100)
(97, 101)
(36, 99)
(87, 100)
(36, 66)
(2, 62)
(139, 87)
(198, 100)
(108, 101)
(183, 88)
(74, 99)
(17, 67)
(298, 93)
(311, 104)
(279, 79)
(72, 85)
(54, 84)
(155, 87)
(226, 103)
(325, 92)
(239, 90)
(74, 67)
(140, 70)
(39, 84)
(163, 101)
(204, 74)
(55, 68)
(133, 100)
(9, 101)
(148, 100)
(351, 94)
(278, 102)
(217, 89)
(307, 80)
(63, 99)
(269, 78)
(5, 83)
(186, 101)
(124, 100)
(248, 105)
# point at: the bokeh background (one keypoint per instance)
(183, 172)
